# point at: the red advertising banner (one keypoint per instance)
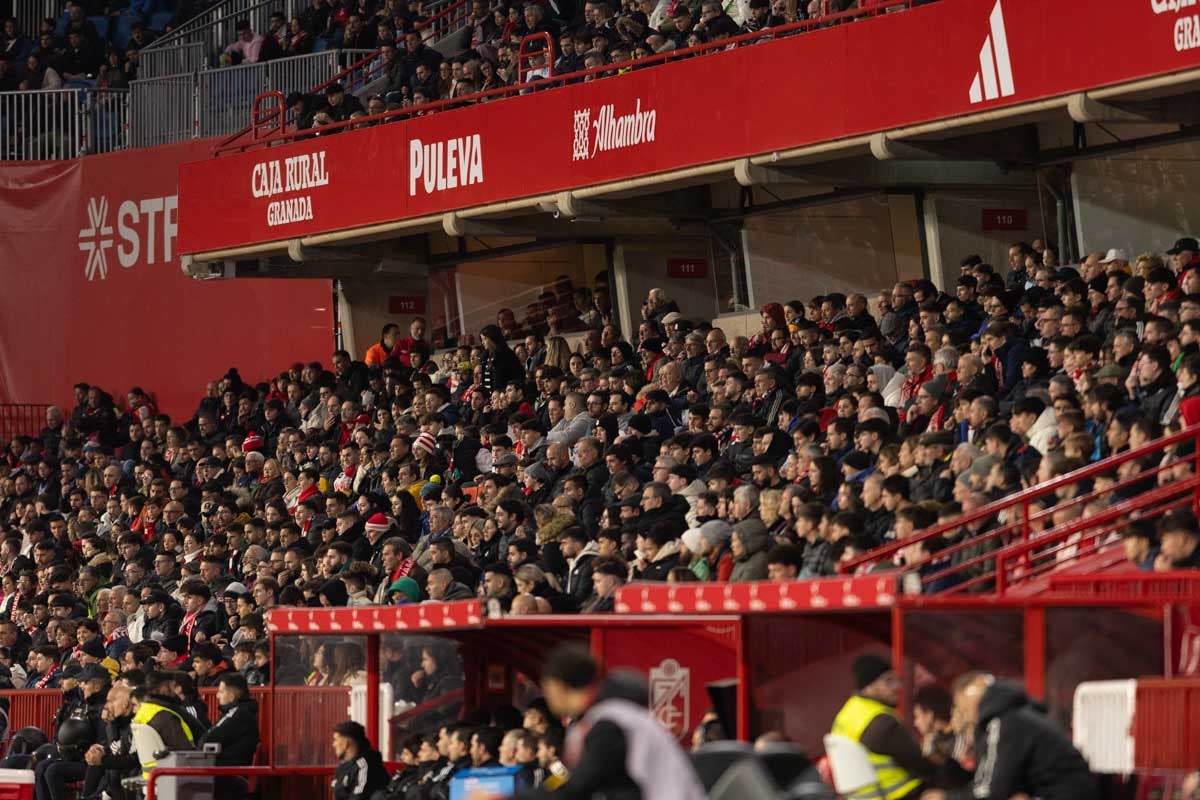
(912, 66)
(93, 290)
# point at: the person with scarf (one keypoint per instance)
(919, 362)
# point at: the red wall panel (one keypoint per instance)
(92, 288)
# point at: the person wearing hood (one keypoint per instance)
(749, 544)
(659, 551)
(502, 365)
(1019, 751)
(710, 544)
(869, 718)
(684, 483)
(360, 771)
(333, 593)
(617, 749)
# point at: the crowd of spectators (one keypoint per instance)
(541, 478)
(408, 71)
(75, 55)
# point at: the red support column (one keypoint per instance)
(902, 667)
(1035, 653)
(373, 693)
(743, 680)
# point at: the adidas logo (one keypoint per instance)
(994, 78)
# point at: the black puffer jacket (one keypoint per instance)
(236, 730)
(1020, 751)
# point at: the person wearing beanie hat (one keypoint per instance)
(869, 718)
(252, 443)
(378, 523)
(425, 443)
(403, 591)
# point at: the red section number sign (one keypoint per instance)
(687, 268)
(406, 304)
(1005, 219)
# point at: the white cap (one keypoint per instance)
(691, 539)
(1114, 255)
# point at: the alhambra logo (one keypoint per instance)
(610, 131)
(995, 77)
(96, 239)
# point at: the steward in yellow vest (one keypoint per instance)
(870, 719)
(164, 716)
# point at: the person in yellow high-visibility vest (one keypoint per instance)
(869, 718)
(166, 718)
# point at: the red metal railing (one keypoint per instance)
(1139, 585)
(526, 53)
(235, 144)
(1028, 543)
(35, 707)
(268, 115)
(21, 419)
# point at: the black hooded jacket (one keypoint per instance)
(1020, 751)
(236, 730)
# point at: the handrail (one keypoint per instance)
(198, 22)
(523, 55)
(360, 68)
(274, 116)
(1046, 545)
(231, 145)
(1025, 498)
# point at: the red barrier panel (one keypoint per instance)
(1131, 586)
(303, 719)
(1165, 722)
(21, 419)
(35, 707)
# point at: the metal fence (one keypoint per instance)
(225, 96)
(215, 29)
(53, 124)
(164, 110)
(30, 13)
(106, 120)
(186, 57)
(41, 125)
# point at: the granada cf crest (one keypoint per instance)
(670, 688)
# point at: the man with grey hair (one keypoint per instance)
(745, 503)
(945, 360)
(657, 306)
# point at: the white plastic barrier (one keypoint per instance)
(1103, 723)
(358, 713)
(16, 784)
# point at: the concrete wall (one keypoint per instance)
(641, 265)
(1137, 201)
(954, 228)
(860, 245)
